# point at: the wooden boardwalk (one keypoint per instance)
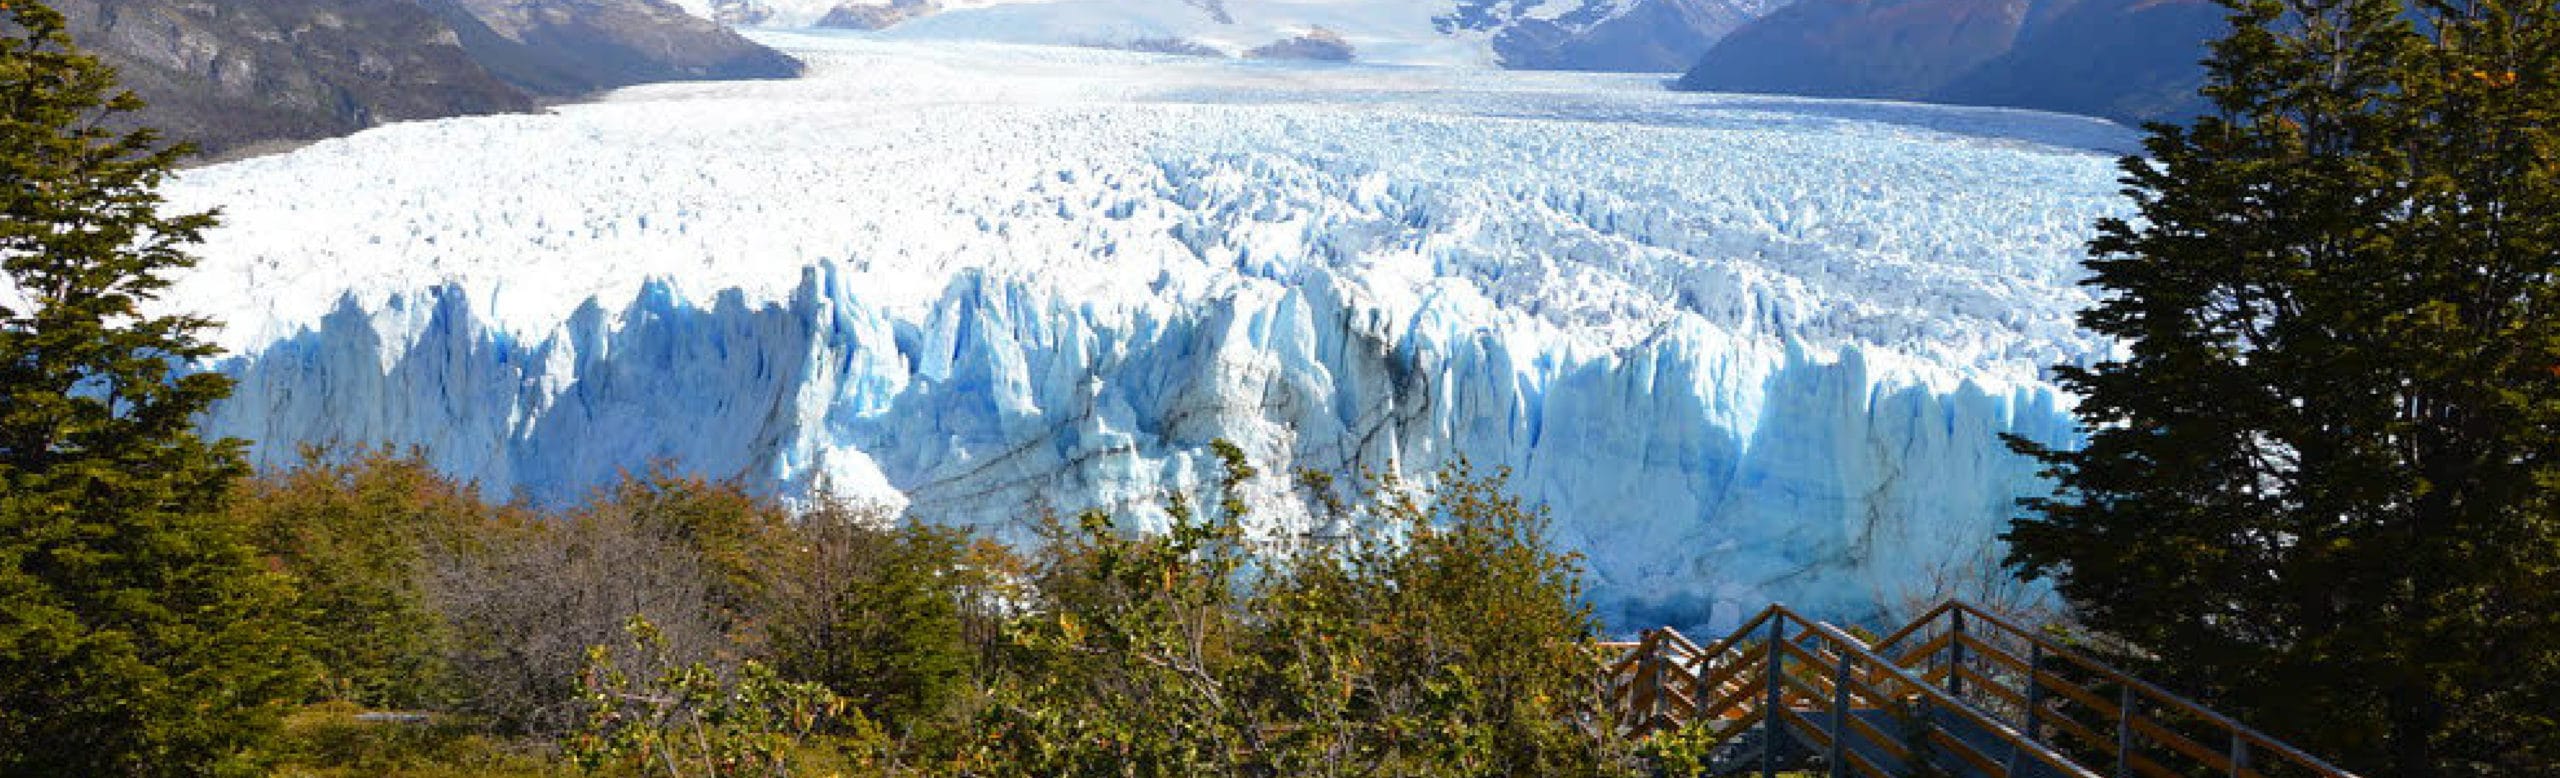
(1961, 691)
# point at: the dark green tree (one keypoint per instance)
(873, 610)
(2319, 482)
(138, 634)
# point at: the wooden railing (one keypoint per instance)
(2096, 712)
(1959, 688)
(1817, 686)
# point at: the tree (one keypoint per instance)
(1445, 636)
(2319, 482)
(874, 611)
(138, 635)
(354, 532)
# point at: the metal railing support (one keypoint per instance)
(2124, 730)
(1955, 654)
(1840, 716)
(2035, 690)
(1771, 722)
(2239, 755)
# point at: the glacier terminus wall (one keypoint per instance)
(1743, 348)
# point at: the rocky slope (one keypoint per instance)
(560, 48)
(2123, 59)
(1648, 36)
(231, 75)
(2140, 57)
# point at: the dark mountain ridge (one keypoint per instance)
(2130, 60)
(233, 75)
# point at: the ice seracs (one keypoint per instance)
(1745, 348)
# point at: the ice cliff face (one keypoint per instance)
(1745, 348)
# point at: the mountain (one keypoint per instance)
(1860, 48)
(232, 74)
(569, 48)
(1745, 348)
(1658, 36)
(2127, 59)
(2130, 60)
(227, 74)
(1647, 36)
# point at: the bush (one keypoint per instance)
(354, 533)
(647, 712)
(874, 611)
(1449, 640)
(533, 593)
(343, 740)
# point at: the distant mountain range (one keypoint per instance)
(1659, 36)
(2132, 60)
(233, 75)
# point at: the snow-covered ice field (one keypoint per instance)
(1745, 347)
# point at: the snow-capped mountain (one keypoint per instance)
(1632, 35)
(1745, 348)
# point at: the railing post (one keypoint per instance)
(1840, 716)
(2124, 729)
(2239, 754)
(2027, 718)
(1955, 653)
(1649, 678)
(2035, 690)
(1769, 721)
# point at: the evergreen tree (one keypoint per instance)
(2319, 485)
(138, 636)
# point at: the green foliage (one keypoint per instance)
(1448, 641)
(356, 533)
(735, 538)
(697, 558)
(2320, 481)
(340, 740)
(875, 612)
(138, 635)
(666, 717)
(1470, 635)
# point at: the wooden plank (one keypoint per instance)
(1735, 728)
(1921, 653)
(2106, 710)
(1993, 653)
(1965, 751)
(1918, 623)
(1891, 745)
(1733, 701)
(2073, 727)
(1682, 706)
(2107, 743)
(1751, 660)
(1986, 684)
(1865, 767)
(1681, 642)
(1800, 722)
(2220, 764)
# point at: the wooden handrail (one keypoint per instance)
(1666, 680)
(2156, 694)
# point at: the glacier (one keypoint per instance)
(1744, 348)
